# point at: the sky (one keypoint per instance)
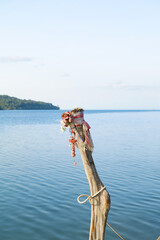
(81, 53)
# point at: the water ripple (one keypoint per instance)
(39, 184)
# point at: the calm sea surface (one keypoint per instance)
(39, 184)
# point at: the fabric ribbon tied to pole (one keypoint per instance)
(78, 120)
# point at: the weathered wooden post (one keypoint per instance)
(100, 198)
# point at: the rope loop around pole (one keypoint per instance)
(89, 197)
(83, 195)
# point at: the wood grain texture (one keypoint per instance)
(100, 204)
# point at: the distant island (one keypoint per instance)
(12, 103)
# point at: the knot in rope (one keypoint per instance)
(89, 197)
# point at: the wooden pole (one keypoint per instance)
(100, 204)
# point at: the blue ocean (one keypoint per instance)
(39, 183)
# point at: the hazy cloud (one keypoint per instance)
(65, 75)
(39, 65)
(15, 59)
(124, 86)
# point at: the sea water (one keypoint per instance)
(39, 183)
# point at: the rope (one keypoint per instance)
(115, 231)
(91, 197)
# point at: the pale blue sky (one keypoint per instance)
(92, 54)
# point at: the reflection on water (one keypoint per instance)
(39, 184)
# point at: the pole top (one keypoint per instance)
(76, 110)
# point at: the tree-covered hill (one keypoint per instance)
(12, 103)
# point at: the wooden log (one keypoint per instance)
(100, 204)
